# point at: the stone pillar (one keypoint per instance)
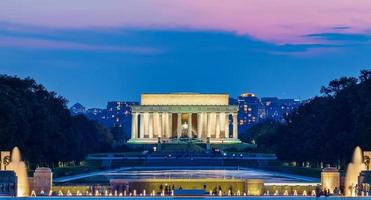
(146, 124)
(163, 125)
(199, 125)
(226, 124)
(217, 126)
(150, 126)
(179, 128)
(170, 125)
(330, 179)
(208, 129)
(159, 124)
(141, 131)
(235, 125)
(189, 125)
(222, 124)
(154, 124)
(42, 180)
(134, 125)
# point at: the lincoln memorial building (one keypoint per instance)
(178, 117)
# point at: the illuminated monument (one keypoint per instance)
(177, 117)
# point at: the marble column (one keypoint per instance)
(235, 126)
(208, 129)
(222, 124)
(199, 125)
(189, 125)
(141, 125)
(146, 124)
(226, 124)
(150, 126)
(163, 125)
(134, 125)
(170, 125)
(179, 127)
(217, 126)
(154, 124)
(159, 124)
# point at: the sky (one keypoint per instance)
(93, 51)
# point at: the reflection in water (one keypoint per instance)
(267, 176)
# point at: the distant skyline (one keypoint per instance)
(93, 51)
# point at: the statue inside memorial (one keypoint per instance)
(19, 167)
(185, 129)
(353, 171)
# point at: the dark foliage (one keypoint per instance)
(325, 128)
(38, 122)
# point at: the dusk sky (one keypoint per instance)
(94, 51)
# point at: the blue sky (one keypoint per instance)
(94, 64)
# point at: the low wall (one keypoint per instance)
(250, 187)
(282, 190)
(226, 186)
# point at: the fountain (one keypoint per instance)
(353, 171)
(19, 167)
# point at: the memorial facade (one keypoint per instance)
(184, 117)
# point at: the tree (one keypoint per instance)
(328, 127)
(38, 122)
(118, 134)
(337, 85)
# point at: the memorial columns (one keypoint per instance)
(141, 131)
(134, 125)
(189, 125)
(159, 123)
(217, 126)
(235, 127)
(150, 126)
(179, 127)
(208, 129)
(164, 119)
(145, 124)
(222, 124)
(226, 124)
(199, 125)
(169, 125)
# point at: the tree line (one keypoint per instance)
(325, 128)
(39, 123)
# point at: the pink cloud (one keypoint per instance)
(279, 21)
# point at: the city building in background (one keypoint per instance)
(252, 109)
(116, 114)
